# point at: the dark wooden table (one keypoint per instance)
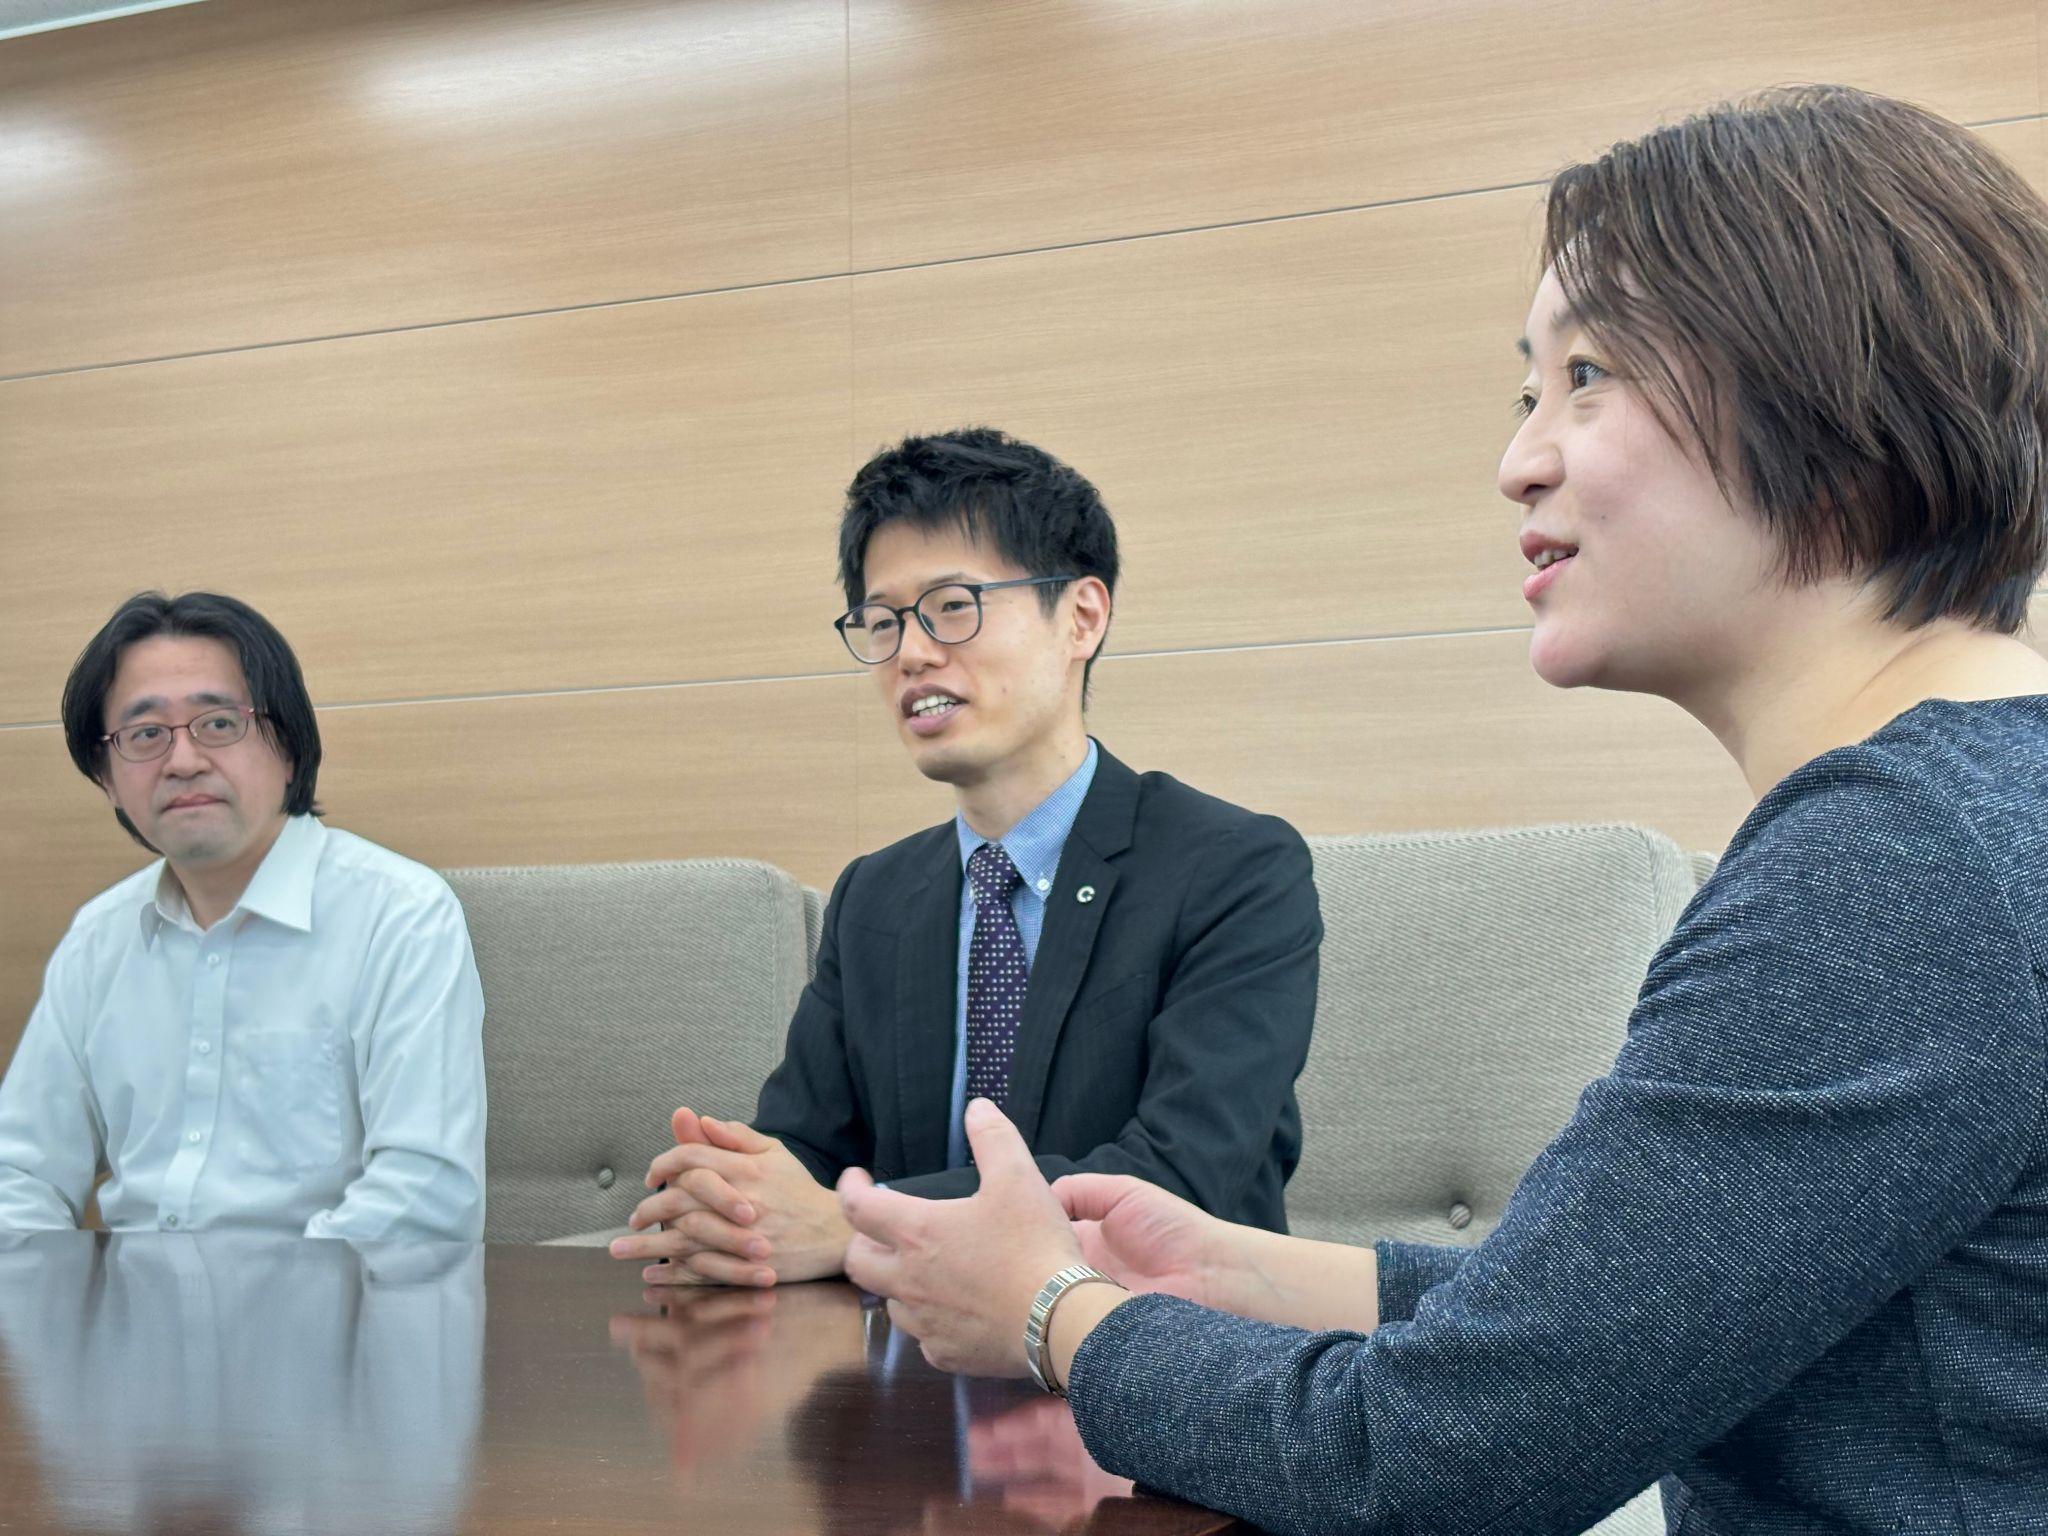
(230, 1382)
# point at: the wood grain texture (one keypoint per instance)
(760, 771)
(1023, 123)
(1297, 426)
(611, 496)
(229, 1382)
(248, 171)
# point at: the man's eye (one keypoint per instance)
(956, 605)
(143, 735)
(217, 725)
(885, 625)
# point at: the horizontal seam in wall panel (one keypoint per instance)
(832, 277)
(817, 677)
(1319, 643)
(761, 287)
(2004, 122)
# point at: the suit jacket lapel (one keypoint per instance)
(1102, 830)
(927, 962)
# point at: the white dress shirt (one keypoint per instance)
(312, 1062)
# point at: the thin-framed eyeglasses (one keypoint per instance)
(151, 739)
(950, 613)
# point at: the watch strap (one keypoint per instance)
(1039, 1324)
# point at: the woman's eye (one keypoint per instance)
(1584, 372)
(1524, 406)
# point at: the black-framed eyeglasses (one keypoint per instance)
(151, 739)
(950, 614)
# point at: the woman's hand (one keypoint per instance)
(1149, 1240)
(960, 1275)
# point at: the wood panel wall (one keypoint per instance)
(513, 357)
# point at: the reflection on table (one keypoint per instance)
(237, 1381)
(878, 1440)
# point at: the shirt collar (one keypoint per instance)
(1035, 843)
(281, 889)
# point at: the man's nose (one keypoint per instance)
(186, 757)
(918, 649)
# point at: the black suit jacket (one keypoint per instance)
(1164, 1025)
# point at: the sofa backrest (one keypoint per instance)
(613, 993)
(1472, 984)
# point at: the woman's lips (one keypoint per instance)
(1541, 580)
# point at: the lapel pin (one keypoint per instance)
(1085, 895)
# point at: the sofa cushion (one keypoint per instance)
(1472, 984)
(613, 993)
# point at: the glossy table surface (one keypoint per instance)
(229, 1382)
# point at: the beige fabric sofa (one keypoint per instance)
(612, 993)
(1472, 984)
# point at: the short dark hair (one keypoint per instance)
(1843, 301)
(277, 691)
(1035, 512)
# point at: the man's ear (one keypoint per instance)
(1092, 610)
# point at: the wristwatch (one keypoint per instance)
(1039, 1323)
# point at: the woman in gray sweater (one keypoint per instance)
(1784, 461)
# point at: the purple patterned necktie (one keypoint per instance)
(996, 974)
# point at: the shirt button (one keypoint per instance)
(1461, 1216)
(213, 959)
(1044, 886)
(206, 1047)
(193, 1137)
(170, 1221)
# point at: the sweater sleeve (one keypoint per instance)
(1408, 1270)
(1832, 1076)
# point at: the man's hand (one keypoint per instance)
(960, 1275)
(739, 1208)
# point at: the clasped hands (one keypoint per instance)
(732, 1207)
(958, 1275)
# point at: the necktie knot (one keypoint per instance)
(991, 873)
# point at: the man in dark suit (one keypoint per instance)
(1126, 965)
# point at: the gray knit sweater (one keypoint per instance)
(1790, 1255)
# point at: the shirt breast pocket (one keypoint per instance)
(291, 1089)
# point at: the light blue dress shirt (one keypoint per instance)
(313, 1062)
(1034, 846)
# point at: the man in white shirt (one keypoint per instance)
(276, 1024)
